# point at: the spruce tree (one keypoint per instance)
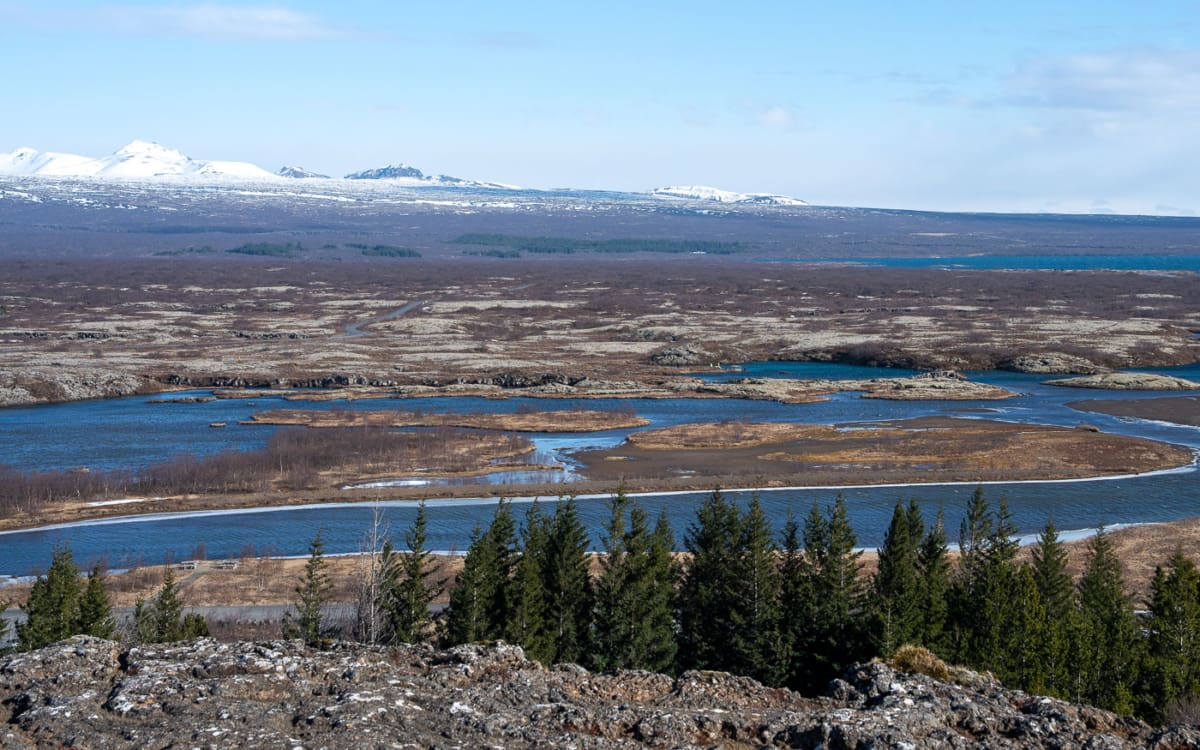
(709, 591)
(409, 590)
(1061, 614)
(567, 584)
(897, 614)
(796, 604)
(161, 619)
(168, 609)
(1107, 655)
(835, 635)
(933, 563)
(655, 642)
(479, 603)
(756, 614)
(995, 636)
(53, 608)
(312, 593)
(612, 617)
(1172, 671)
(95, 611)
(1023, 663)
(526, 624)
(467, 616)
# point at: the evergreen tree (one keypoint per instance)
(161, 619)
(312, 593)
(756, 615)
(709, 591)
(898, 616)
(633, 624)
(527, 615)
(53, 608)
(1107, 654)
(467, 616)
(1060, 612)
(409, 590)
(192, 626)
(567, 585)
(479, 605)
(654, 642)
(964, 618)
(835, 635)
(933, 564)
(1172, 670)
(612, 618)
(95, 611)
(996, 638)
(1022, 664)
(796, 604)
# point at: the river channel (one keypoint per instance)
(133, 432)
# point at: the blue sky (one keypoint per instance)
(1027, 106)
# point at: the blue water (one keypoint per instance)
(131, 432)
(1027, 262)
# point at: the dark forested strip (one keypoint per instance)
(796, 609)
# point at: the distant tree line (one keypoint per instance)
(268, 249)
(567, 245)
(384, 251)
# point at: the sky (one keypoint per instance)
(1015, 106)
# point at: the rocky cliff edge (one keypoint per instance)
(92, 693)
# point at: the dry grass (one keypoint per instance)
(544, 421)
(929, 449)
(919, 660)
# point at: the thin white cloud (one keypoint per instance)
(776, 117)
(1114, 81)
(274, 23)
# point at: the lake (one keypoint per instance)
(133, 432)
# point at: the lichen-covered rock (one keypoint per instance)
(1129, 381)
(91, 693)
(682, 355)
(1051, 363)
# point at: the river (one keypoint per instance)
(133, 432)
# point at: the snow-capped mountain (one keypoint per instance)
(137, 160)
(390, 172)
(299, 173)
(704, 193)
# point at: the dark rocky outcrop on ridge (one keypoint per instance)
(92, 693)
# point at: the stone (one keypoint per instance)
(87, 692)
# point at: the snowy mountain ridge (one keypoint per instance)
(705, 193)
(136, 160)
(144, 160)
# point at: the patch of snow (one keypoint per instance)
(135, 160)
(705, 193)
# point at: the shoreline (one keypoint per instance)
(148, 517)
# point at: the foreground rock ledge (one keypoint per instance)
(94, 693)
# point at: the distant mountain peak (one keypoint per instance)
(390, 172)
(135, 160)
(706, 193)
(299, 173)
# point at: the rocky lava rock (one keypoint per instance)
(87, 692)
(1129, 381)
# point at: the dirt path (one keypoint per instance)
(355, 330)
